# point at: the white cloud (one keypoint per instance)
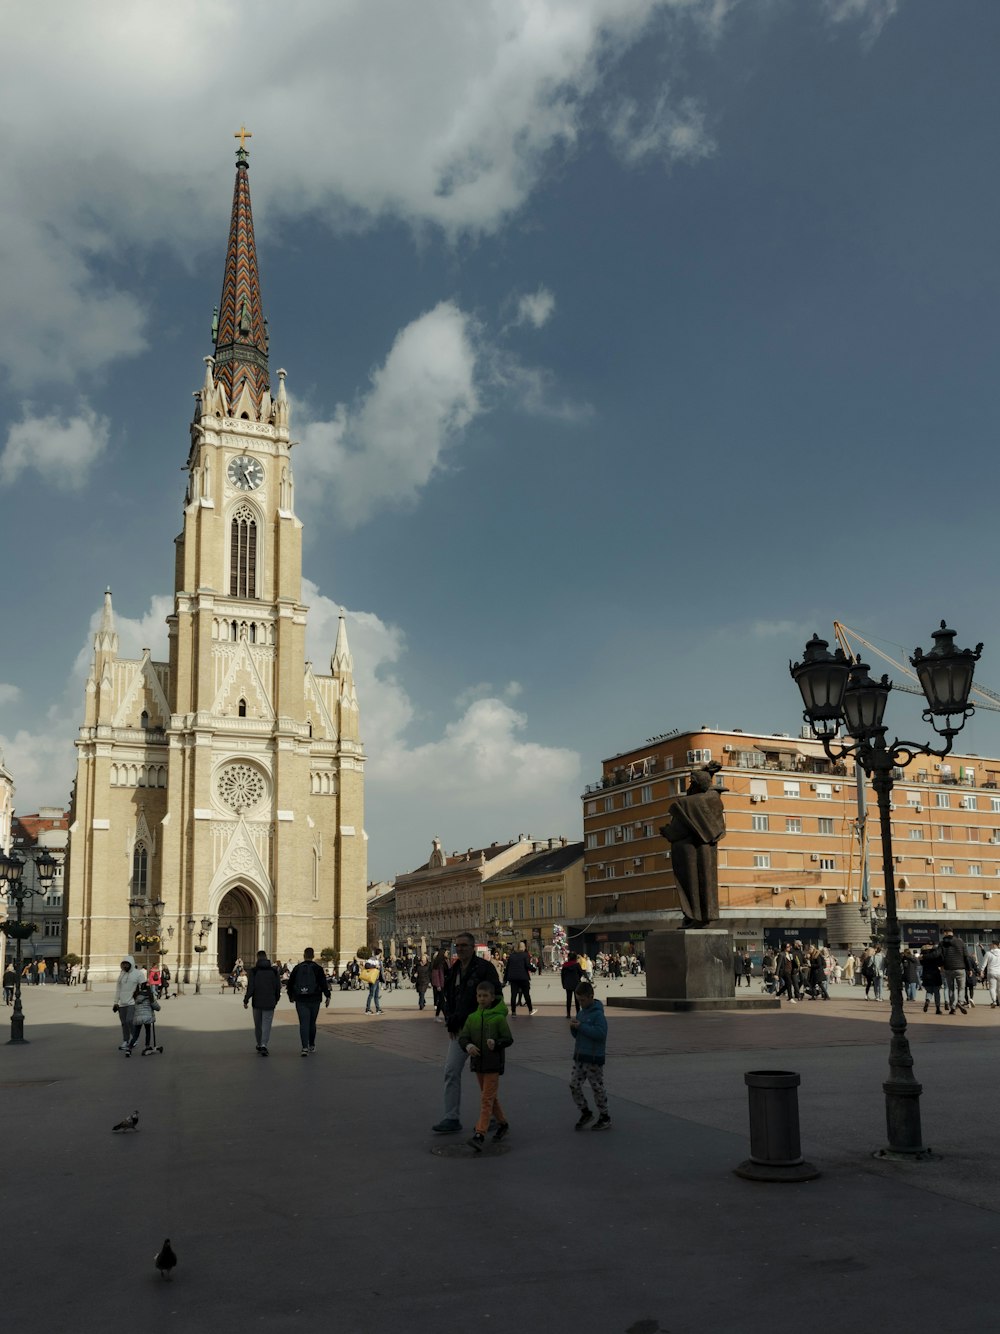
(535, 308)
(387, 446)
(673, 132)
(872, 14)
(62, 452)
(440, 114)
(8, 694)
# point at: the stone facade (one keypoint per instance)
(228, 781)
(445, 895)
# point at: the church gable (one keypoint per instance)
(318, 703)
(243, 685)
(142, 702)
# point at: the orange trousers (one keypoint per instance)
(489, 1103)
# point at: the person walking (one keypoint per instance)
(817, 975)
(571, 975)
(459, 1000)
(142, 1017)
(785, 965)
(373, 975)
(990, 974)
(930, 976)
(484, 1037)
(421, 979)
(9, 979)
(590, 1030)
(439, 971)
(911, 974)
(307, 986)
(165, 981)
(263, 993)
(850, 964)
(124, 1004)
(747, 967)
(517, 972)
(953, 965)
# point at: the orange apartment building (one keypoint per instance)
(791, 863)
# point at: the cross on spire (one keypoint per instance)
(243, 134)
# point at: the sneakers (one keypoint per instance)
(263, 1051)
(448, 1126)
(500, 1131)
(304, 1051)
(312, 1048)
(586, 1116)
(258, 1046)
(123, 1046)
(476, 1142)
(147, 1050)
(603, 1122)
(926, 1006)
(128, 1051)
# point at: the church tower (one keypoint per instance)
(228, 782)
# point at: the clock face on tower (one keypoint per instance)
(245, 473)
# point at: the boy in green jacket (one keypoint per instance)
(485, 1036)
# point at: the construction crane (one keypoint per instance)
(988, 699)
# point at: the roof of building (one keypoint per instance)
(26, 828)
(547, 862)
(240, 329)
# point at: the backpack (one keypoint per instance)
(305, 983)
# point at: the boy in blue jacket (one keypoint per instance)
(590, 1028)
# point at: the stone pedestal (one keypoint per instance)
(691, 970)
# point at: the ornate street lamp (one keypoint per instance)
(11, 870)
(199, 949)
(838, 694)
(146, 916)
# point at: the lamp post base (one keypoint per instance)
(906, 1156)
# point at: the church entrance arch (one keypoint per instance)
(237, 929)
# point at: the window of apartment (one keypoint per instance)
(975, 868)
(824, 792)
(591, 808)
(973, 833)
(944, 831)
(53, 928)
(825, 824)
(559, 904)
(995, 803)
(948, 902)
(916, 831)
(793, 826)
(648, 831)
(647, 792)
(591, 840)
(548, 909)
(913, 798)
(827, 863)
(762, 861)
(968, 803)
(791, 789)
(946, 869)
(758, 787)
(920, 903)
(699, 757)
(626, 833)
(943, 799)
(609, 803)
(668, 761)
(759, 824)
(531, 906)
(628, 797)
(520, 907)
(609, 872)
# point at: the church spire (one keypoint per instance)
(239, 329)
(106, 638)
(342, 664)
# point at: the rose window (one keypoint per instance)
(241, 787)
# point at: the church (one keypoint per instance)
(226, 784)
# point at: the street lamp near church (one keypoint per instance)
(16, 928)
(146, 916)
(199, 949)
(841, 698)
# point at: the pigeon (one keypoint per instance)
(129, 1123)
(165, 1259)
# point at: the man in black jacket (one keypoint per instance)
(518, 974)
(263, 992)
(953, 956)
(307, 986)
(460, 984)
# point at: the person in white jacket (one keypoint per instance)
(124, 1006)
(991, 974)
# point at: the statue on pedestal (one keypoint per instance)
(696, 823)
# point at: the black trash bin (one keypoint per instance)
(775, 1148)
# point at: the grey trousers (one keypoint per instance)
(955, 981)
(454, 1064)
(126, 1013)
(262, 1020)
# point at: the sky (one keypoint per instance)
(628, 342)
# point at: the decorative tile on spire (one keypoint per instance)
(240, 330)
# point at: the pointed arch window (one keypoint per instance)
(140, 871)
(243, 554)
(242, 710)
